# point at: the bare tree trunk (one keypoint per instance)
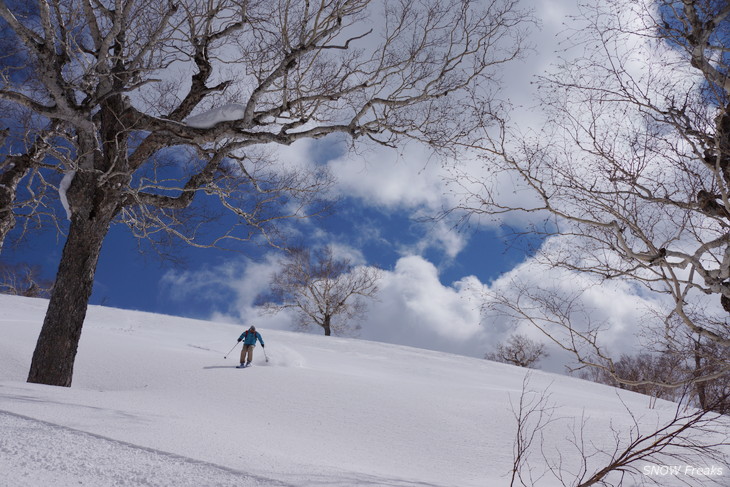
(55, 352)
(326, 325)
(700, 386)
(7, 197)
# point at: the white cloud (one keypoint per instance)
(406, 179)
(232, 288)
(343, 251)
(412, 179)
(415, 308)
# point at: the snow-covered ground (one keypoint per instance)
(154, 403)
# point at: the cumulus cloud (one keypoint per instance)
(231, 289)
(415, 308)
(410, 178)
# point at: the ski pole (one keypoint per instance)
(265, 356)
(229, 351)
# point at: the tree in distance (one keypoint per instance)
(519, 350)
(323, 290)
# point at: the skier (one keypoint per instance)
(249, 338)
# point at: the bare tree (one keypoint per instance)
(679, 371)
(24, 163)
(627, 185)
(693, 441)
(713, 394)
(23, 280)
(645, 373)
(155, 112)
(519, 350)
(629, 178)
(533, 413)
(322, 289)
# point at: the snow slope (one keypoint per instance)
(154, 403)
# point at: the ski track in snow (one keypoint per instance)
(26, 449)
(88, 459)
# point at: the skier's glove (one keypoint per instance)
(239, 339)
(262, 346)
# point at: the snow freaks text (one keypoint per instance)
(683, 470)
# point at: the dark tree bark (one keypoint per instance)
(8, 186)
(700, 386)
(326, 325)
(55, 353)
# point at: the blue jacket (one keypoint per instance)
(250, 338)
